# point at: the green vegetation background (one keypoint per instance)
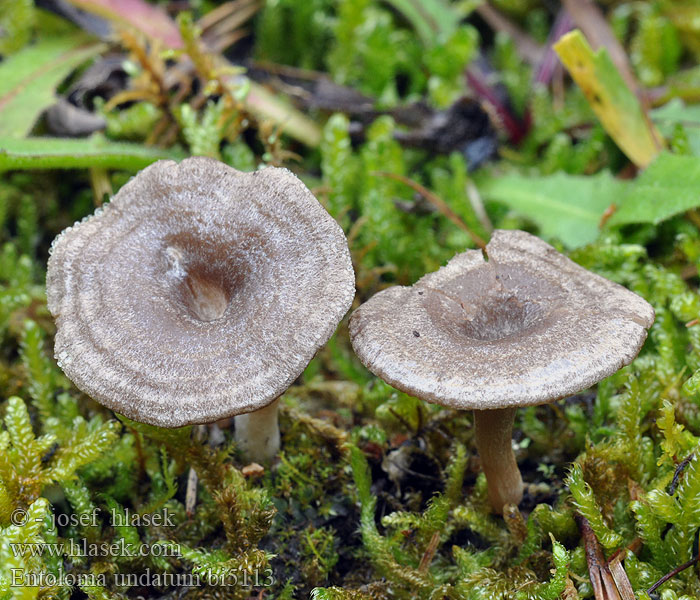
(375, 494)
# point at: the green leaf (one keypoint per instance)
(613, 102)
(679, 121)
(567, 207)
(28, 79)
(670, 185)
(676, 111)
(63, 153)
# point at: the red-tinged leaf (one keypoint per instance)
(151, 20)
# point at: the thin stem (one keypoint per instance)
(258, 434)
(437, 202)
(673, 573)
(493, 431)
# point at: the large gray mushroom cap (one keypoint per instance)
(525, 327)
(198, 293)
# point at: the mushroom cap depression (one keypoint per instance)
(527, 326)
(198, 293)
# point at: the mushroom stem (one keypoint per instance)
(494, 430)
(257, 433)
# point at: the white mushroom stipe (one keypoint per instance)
(527, 326)
(257, 433)
(198, 293)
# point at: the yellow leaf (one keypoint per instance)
(617, 108)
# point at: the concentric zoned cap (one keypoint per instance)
(198, 293)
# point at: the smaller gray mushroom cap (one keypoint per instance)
(524, 326)
(198, 293)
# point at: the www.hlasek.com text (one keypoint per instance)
(89, 549)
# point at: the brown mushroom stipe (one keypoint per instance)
(199, 293)
(527, 326)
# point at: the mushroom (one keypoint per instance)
(519, 325)
(199, 293)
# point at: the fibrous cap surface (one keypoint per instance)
(525, 327)
(198, 293)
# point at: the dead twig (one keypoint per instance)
(602, 580)
(429, 553)
(622, 581)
